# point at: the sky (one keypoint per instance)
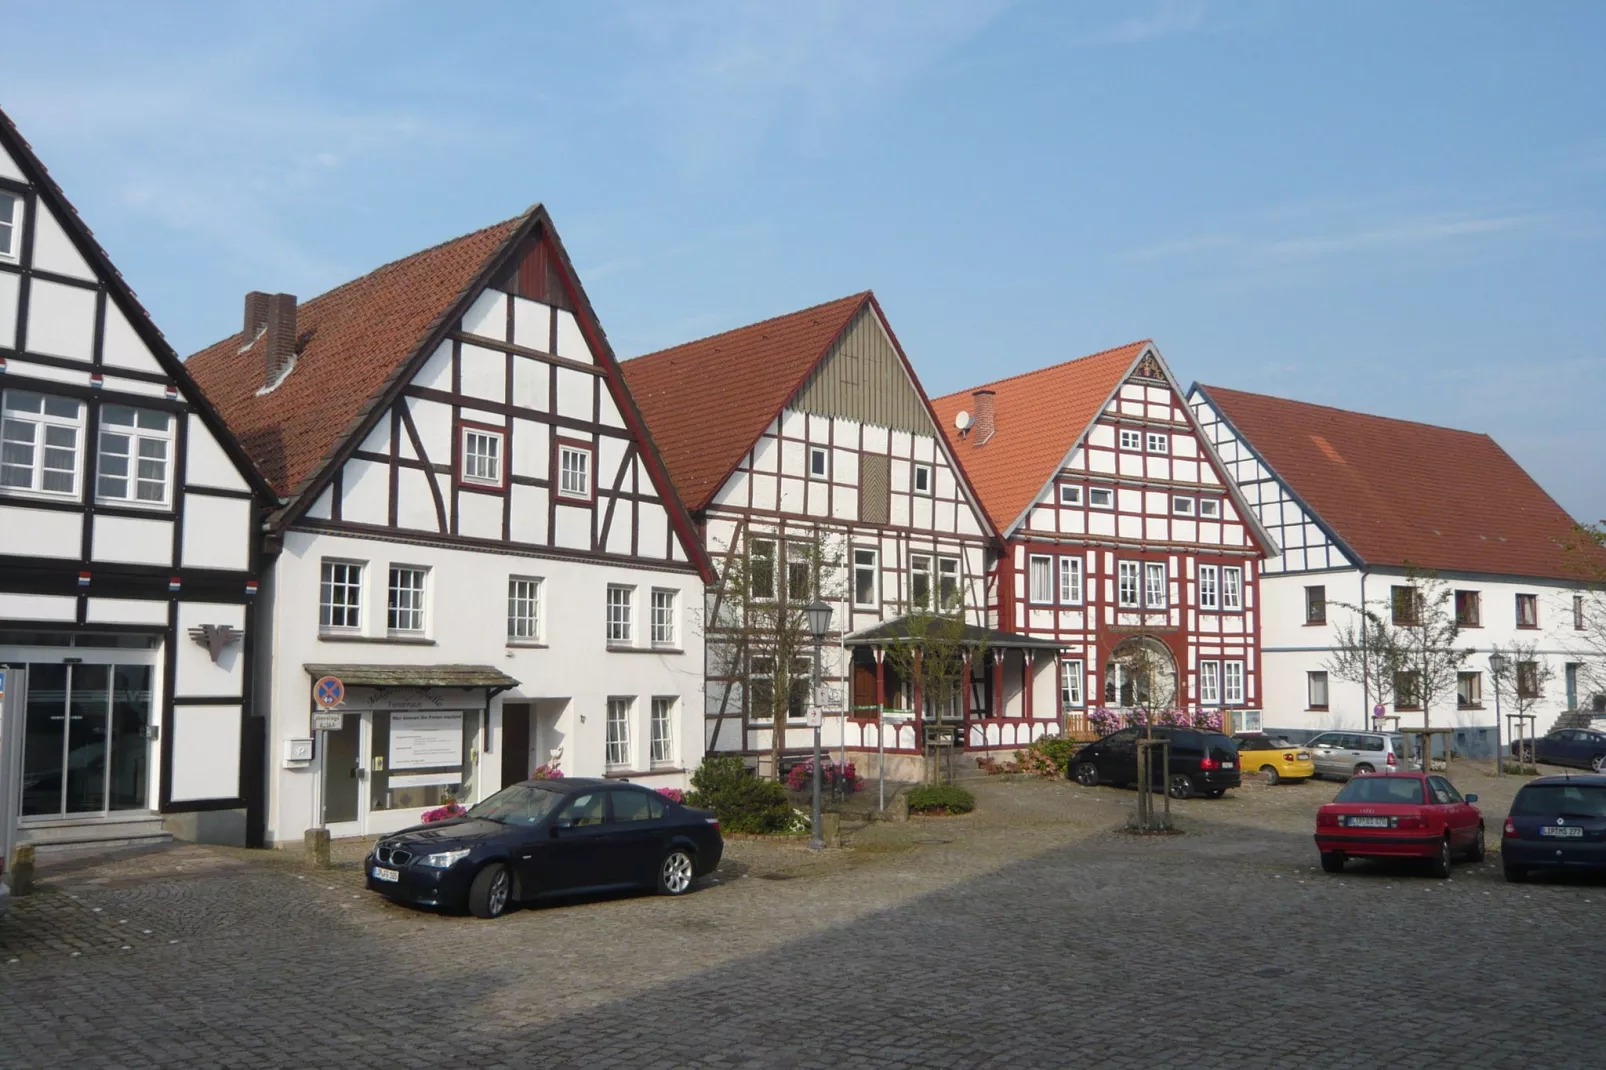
(1395, 208)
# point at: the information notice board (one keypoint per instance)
(425, 740)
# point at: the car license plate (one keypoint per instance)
(1369, 822)
(383, 874)
(1560, 830)
(1303, 756)
(1226, 765)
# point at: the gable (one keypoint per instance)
(862, 378)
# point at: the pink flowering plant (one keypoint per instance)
(674, 795)
(802, 775)
(547, 772)
(444, 813)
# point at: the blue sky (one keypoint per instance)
(1399, 208)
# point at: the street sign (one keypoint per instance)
(329, 692)
(898, 716)
(327, 720)
(1379, 711)
(816, 717)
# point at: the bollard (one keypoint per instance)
(21, 869)
(831, 829)
(317, 844)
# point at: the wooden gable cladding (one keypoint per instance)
(862, 378)
(536, 276)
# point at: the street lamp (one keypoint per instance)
(1497, 668)
(819, 617)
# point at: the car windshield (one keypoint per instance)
(1555, 800)
(519, 804)
(1381, 789)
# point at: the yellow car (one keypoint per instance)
(1274, 757)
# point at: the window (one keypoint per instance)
(135, 445)
(1210, 682)
(1468, 610)
(1127, 592)
(524, 609)
(405, 611)
(818, 462)
(1210, 508)
(1527, 611)
(482, 458)
(1070, 581)
(1101, 498)
(1578, 612)
(922, 479)
(1154, 592)
(574, 472)
(1316, 605)
(1182, 506)
(663, 731)
(948, 581)
(39, 442)
(1159, 442)
(618, 756)
(1316, 690)
(1232, 682)
(1209, 584)
(1404, 601)
(1469, 690)
(866, 589)
(663, 616)
(1131, 440)
(10, 226)
(1071, 684)
(761, 681)
(620, 598)
(1232, 588)
(636, 804)
(1070, 495)
(1407, 690)
(1527, 679)
(761, 568)
(340, 596)
(1040, 576)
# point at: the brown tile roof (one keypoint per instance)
(1039, 416)
(352, 340)
(706, 402)
(1404, 493)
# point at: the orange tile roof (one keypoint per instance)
(1404, 493)
(1039, 416)
(352, 340)
(706, 402)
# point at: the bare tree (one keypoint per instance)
(1587, 550)
(1149, 672)
(1367, 650)
(1522, 685)
(1412, 652)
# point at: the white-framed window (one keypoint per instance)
(1070, 494)
(1071, 581)
(10, 226)
(1071, 684)
(1154, 592)
(920, 579)
(41, 437)
(340, 596)
(1040, 578)
(1100, 498)
(524, 608)
(621, 600)
(1209, 587)
(1182, 506)
(1232, 682)
(574, 471)
(404, 610)
(1210, 682)
(136, 446)
(618, 753)
(819, 463)
(663, 731)
(1232, 587)
(1127, 584)
(948, 582)
(664, 603)
(1316, 690)
(922, 478)
(1131, 440)
(1210, 508)
(799, 572)
(866, 577)
(1159, 442)
(482, 456)
(761, 568)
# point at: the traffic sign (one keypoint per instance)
(329, 692)
(816, 717)
(327, 720)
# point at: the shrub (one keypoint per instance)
(940, 799)
(994, 767)
(801, 776)
(741, 801)
(1047, 756)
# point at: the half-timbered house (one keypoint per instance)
(811, 430)
(1127, 546)
(1359, 503)
(128, 552)
(477, 537)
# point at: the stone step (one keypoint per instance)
(134, 829)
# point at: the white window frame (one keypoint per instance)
(1232, 683)
(1131, 441)
(524, 609)
(922, 469)
(137, 437)
(662, 731)
(577, 482)
(665, 609)
(620, 614)
(1209, 587)
(40, 424)
(1156, 595)
(1129, 577)
(1311, 679)
(950, 582)
(406, 606)
(920, 567)
(1157, 442)
(1181, 505)
(486, 468)
(1107, 492)
(1070, 581)
(1232, 588)
(1210, 683)
(1070, 494)
(867, 560)
(1073, 684)
(617, 740)
(349, 585)
(822, 455)
(764, 551)
(11, 235)
(1040, 579)
(1210, 508)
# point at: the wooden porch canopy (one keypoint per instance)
(415, 675)
(897, 631)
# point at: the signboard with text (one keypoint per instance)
(420, 740)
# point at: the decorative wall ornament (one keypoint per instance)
(1148, 368)
(215, 637)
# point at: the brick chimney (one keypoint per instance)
(279, 321)
(256, 316)
(983, 424)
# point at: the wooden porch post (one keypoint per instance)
(964, 696)
(998, 682)
(1026, 684)
(880, 677)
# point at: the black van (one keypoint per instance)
(1202, 762)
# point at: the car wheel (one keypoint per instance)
(1598, 763)
(1475, 853)
(488, 896)
(1181, 785)
(1440, 865)
(1087, 775)
(1271, 775)
(1515, 874)
(1364, 768)
(1332, 862)
(675, 873)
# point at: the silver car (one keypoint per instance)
(1344, 754)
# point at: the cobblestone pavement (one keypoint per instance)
(1031, 933)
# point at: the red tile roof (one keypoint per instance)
(1404, 493)
(1039, 416)
(353, 339)
(706, 402)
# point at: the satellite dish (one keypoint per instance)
(962, 420)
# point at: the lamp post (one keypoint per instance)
(819, 615)
(1497, 669)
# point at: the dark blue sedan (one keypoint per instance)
(1582, 748)
(1556, 823)
(548, 837)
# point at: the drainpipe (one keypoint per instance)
(1366, 663)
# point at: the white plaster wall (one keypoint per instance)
(28, 532)
(206, 752)
(217, 532)
(61, 320)
(135, 541)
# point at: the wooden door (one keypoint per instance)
(515, 742)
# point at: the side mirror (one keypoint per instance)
(1472, 798)
(561, 823)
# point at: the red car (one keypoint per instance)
(1399, 815)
